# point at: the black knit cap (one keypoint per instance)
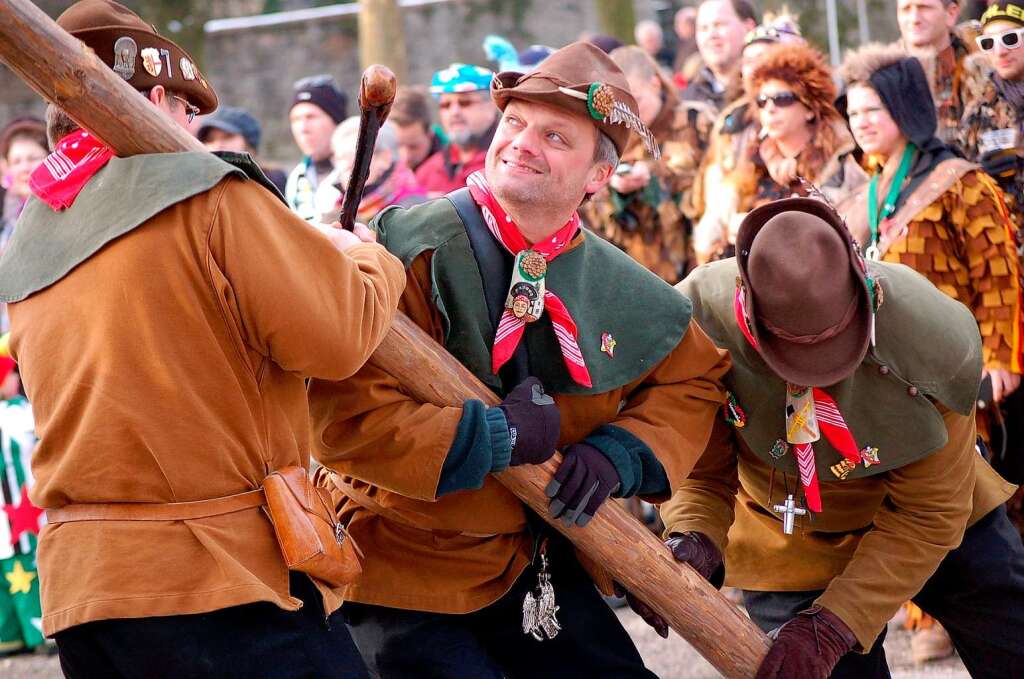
(1004, 11)
(903, 88)
(321, 90)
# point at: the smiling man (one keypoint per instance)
(991, 129)
(594, 356)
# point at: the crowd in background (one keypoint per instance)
(922, 157)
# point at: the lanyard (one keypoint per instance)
(877, 214)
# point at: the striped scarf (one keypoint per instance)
(510, 328)
(65, 172)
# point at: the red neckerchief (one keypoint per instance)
(510, 329)
(64, 173)
(830, 422)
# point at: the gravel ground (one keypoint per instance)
(673, 658)
(670, 658)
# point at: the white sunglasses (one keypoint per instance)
(1011, 40)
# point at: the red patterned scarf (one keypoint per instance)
(510, 327)
(65, 172)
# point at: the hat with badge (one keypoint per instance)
(806, 296)
(584, 80)
(136, 52)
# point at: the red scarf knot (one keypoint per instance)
(513, 324)
(64, 173)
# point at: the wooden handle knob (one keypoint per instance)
(377, 88)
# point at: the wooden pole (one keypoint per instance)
(68, 74)
(382, 36)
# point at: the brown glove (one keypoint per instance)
(808, 646)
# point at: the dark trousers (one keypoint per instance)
(977, 594)
(254, 640)
(490, 643)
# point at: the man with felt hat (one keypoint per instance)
(165, 312)
(594, 356)
(842, 478)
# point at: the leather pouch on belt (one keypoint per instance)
(311, 539)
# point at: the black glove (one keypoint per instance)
(699, 551)
(1000, 163)
(533, 423)
(583, 481)
(808, 646)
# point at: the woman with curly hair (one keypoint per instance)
(802, 142)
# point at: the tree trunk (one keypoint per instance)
(617, 19)
(382, 36)
(63, 71)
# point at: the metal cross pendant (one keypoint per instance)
(789, 511)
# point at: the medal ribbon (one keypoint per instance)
(64, 173)
(876, 213)
(510, 329)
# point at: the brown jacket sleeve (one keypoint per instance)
(922, 520)
(368, 428)
(297, 300)
(705, 502)
(673, 409)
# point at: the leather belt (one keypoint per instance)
(145, 511)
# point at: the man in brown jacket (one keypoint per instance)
(843, 478)
(595, 356)
(165, 312)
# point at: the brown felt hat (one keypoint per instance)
(584, 80)
(806, 291)
(136, 51)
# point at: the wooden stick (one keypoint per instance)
(63, 71)
(376, 93)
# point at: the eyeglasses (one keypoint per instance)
(190, 110)
(780, 99)
(1011, 40)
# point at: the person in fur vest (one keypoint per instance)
(639, 211)
(802, 141)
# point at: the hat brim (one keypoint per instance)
(197, 91)
(509, 85)
(821, 363)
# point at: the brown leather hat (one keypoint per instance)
(136, 51)
(584, 80)
(806, 291)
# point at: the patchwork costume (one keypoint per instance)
(451, 554)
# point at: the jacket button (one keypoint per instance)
(912, 391)
(883, 369)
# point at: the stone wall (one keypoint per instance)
(255, 67)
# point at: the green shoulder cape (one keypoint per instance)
(47, 245)
(927, 349)
(604, 290)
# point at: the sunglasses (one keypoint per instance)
(190, 110)
(1011, 40)
(780, 99)
(460, 103)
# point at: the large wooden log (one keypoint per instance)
(65, 72)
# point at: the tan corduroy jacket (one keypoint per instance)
(169, 366)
